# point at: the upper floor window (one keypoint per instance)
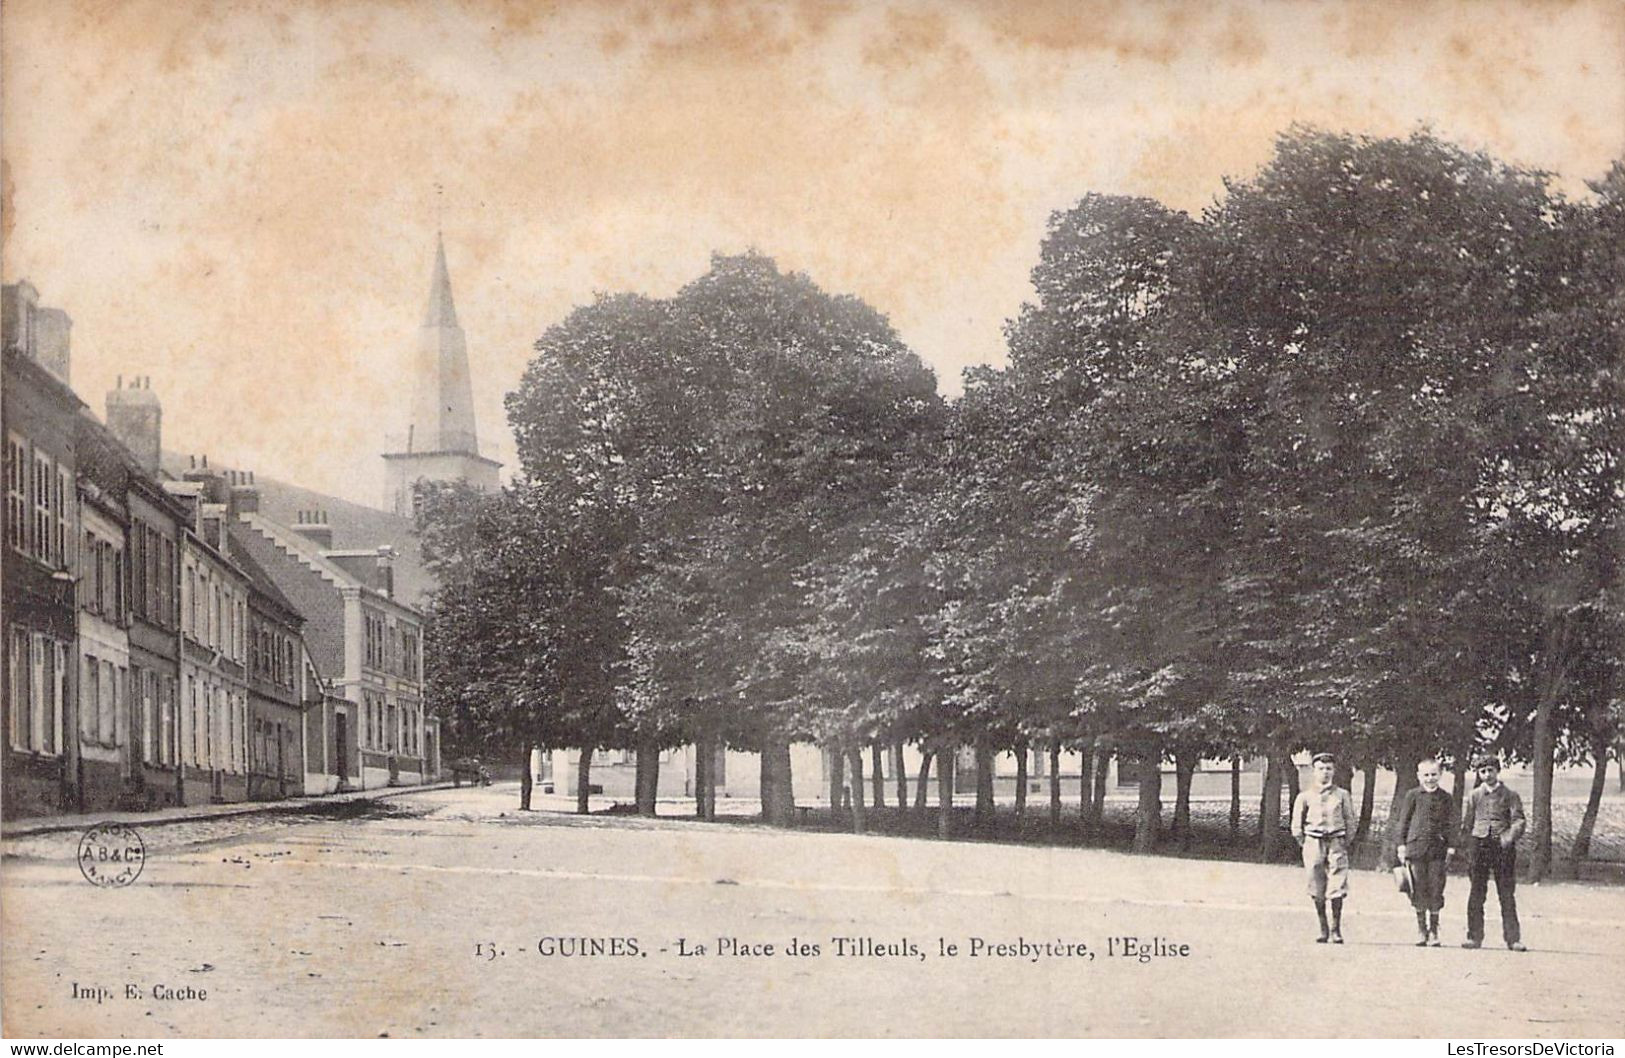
(152, 567)
(39, 501)
(46, 546)
(17, 505)
(409, 654)
(377, 643)
(138, 569)
(62, 501)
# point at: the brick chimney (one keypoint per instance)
(39, 332)
(51, 333)
(373, 567)
(312, 525)
(243, 496)
(136, 418)
(386, 570)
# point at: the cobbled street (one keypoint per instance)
(423, 915)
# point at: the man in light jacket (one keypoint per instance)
(1323, 822)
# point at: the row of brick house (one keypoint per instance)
(166, 643)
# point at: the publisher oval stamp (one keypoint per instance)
(111, 855)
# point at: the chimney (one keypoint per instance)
(312, 525)
(244, 495)
(386, 570)
(38, 332)
(136, 418)
(51, 330)
(213, 482)
(18, 302)
(373, 567)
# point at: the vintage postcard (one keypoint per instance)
(727, 519)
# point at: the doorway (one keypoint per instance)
(341, 747)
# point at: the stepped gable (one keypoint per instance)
(243, 558)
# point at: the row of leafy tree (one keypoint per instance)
(1336, 464)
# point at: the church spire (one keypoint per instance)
(441, 312)
(441, 443)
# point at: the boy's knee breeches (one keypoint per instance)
(1327, 861)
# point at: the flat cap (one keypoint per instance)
(1323, 758)
(1484, 760)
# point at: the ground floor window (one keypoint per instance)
(107, 705)
(90, 698)
(145, 683)
(37, 667)
(166, 720)
(19, 695)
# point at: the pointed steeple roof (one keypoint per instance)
(441, 312)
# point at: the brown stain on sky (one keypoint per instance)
(239, 200)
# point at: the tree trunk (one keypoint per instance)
(1269, 809)
(1054, 782)
(1588, 822)
(647, 785)
(923, 782)
(648, 776)
(1458, 782)
(1086, 765)
(1294, 779)
(584, 780)
(1554, 669)
(524, 780)
(837, 780)
(878, 779)
(1100, 762)
(1540, 814)
(1185, 762)
(705, 787)
(1235, 799)
(711, 748)
(764, 784)
(902, 777)
(1021, 779)
(699, 780)
(860, 813)
(1148, 819)
(1264, 795)
(984, 785)
(1368, 800)
(779, 798)
(945, 792)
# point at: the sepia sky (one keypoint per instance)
(240, 199)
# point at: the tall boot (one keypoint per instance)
(1337, 920)
(1421, 928)
(1325, 931)
(1433, 929)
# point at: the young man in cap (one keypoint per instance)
(1427, 828)
(1323, 823)
(1491, 827)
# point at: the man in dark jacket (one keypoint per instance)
(1490, 828)
(1427, 826)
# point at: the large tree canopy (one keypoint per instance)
(1335, 464)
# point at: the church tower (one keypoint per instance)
(441, 443)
